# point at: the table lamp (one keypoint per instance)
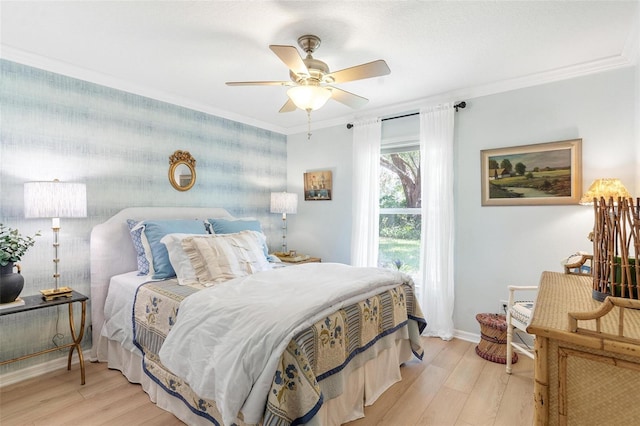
(604, 188)
(284, 202)
(55, 200)
(614, 236)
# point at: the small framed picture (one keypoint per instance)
(539, 174)
(318, 185)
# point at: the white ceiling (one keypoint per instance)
(184, 52)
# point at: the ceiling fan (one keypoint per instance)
(311, 80)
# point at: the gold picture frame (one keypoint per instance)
(318, 185)
(539, 174)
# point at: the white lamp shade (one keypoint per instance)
(309, 97)
(55, 199)
(284, 202)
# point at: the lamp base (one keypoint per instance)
(55, 293)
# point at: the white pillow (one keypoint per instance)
(179, 259)
(221, 257)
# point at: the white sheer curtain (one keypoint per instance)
(436, 147)
(366, 189)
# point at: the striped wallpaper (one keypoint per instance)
(57, 127)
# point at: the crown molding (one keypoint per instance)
(69, 70)
(628, 58)
(465, 94)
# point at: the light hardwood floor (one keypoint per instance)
(451, 386)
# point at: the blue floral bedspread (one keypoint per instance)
(314, 355)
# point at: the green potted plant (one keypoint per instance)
(13, 246)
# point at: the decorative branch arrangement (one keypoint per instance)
(616, 248)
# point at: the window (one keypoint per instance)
(400, 213)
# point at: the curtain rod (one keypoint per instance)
(456, 106)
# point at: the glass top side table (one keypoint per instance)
(37, 302)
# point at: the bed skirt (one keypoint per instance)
(361, 385)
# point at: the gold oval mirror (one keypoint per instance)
(182, 170)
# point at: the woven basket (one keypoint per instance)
(493, 338)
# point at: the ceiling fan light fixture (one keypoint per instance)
(309, 98)
(311, 79)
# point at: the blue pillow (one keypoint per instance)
(154, 230)
(136, 237)
(226, 226)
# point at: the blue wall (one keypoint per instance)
(57, 127)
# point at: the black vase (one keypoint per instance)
(11, 283)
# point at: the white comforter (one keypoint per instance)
(228, 338)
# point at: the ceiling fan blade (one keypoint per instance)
(288, 106)
(291, 58)
(259, 83)
(359, 72)
(348, 98)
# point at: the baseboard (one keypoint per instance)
(39, 369)
(465, 335)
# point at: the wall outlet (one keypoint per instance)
(503, 306)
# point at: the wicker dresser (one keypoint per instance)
(590, 376)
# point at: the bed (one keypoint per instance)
(304, 344)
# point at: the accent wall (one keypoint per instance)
(118, 144)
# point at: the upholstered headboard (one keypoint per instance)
(112, 251)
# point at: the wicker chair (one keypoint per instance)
(519, 314)
(579, 264)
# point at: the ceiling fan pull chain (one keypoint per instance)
(309, 124)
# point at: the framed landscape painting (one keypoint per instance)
(540, 174)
